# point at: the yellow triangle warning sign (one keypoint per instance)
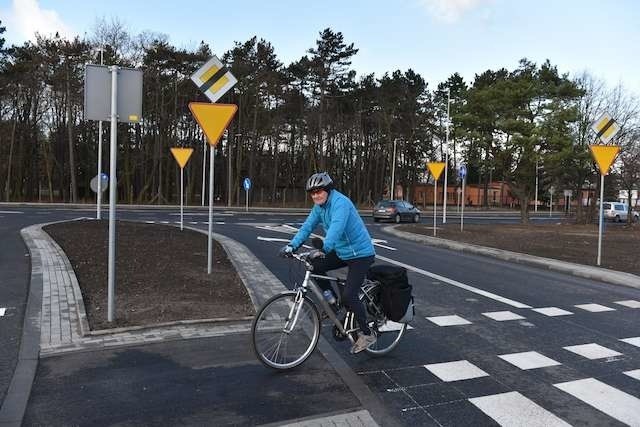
(604, 156)
(436, 169)
(213, 118)
(181, 155)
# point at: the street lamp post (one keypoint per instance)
(446, 161)
(393, 171)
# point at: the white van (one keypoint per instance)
(617, 211)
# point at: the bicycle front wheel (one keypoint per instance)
(285, 331)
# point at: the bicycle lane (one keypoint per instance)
(215, 380)
(491, 325)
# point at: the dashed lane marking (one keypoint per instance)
(454, 320)
(528, 360)
(594, 308)
(633, 374)
(11, 212)
(502, 316)
(629, 303)
(592, 351)
(456, 371)
(613, 402)
(513, 409)
(552, 311)
(633, 341)
(2, 311)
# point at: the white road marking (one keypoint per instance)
(390, 326)
(502, 316)
(592, 351)
(633, 341)
(594, 308)
(2, 311)
(629, 303)
(449, 320)
(11, 212)
(487, 294)
(552, 311)
(613, 402)
(513, 409)
(273, 239)
(633, 374)
(528, 360)
(456, 371)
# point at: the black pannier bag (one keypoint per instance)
(397, 301)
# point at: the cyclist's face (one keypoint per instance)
(319, 196)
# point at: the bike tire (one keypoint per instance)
(271, 341)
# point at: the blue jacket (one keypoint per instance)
(345, 231)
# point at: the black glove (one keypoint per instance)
(286, 251)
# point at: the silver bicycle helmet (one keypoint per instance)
(320, 180)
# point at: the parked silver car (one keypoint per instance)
(618, 212)
(395, 210)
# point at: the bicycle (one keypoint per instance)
(286, 329)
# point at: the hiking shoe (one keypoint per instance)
(363, 342)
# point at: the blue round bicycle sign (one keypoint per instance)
(247, 184)
(462, 172)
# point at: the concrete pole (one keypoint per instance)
(446, 163)
(435, 197)
(111, 303)
(204, 169)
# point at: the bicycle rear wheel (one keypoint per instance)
(285, 331)
(388, 332)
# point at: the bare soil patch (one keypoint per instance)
(161, 274)
(564, 242)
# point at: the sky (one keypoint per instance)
(433, 37)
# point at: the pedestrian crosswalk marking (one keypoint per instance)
(594, 308)
(514, 409)
(633, 341)
(2, 311)
(633, 374)
(629, 303)
(552, 311)
(502, 316)
(529, 360)
(453, 320)
(592, 351)
(613, 402)
(456, 371)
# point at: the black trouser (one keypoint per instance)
(358, 268)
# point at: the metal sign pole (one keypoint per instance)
(204, 170)
(112, 194)
(601, 218)
(435, 196)
(210, 238)
(181, 197)
(462, 203)
(99, 201)
(246, 208)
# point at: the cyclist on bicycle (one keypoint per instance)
(347, 243)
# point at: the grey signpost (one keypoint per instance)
(462, 173)
(113, 94)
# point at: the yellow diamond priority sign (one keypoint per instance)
(604, 156)
(214, 79)
(213, 118)
(605, 128)
(181, 155)
(436, 169)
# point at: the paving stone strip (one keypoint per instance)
(63, 322)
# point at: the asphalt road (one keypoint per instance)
(493, 342)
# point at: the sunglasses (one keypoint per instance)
(316, 191)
